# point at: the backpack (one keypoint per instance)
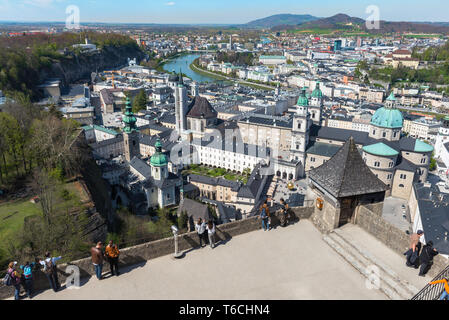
(49, 266)
(27, 272)
(8, 280)
(263, 214)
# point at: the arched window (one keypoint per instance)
(377, 164)
(401, 186)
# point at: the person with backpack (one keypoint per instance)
(27, 277)
(112, 254)
(265, 216)
(445, 294)
(12, 278)
(97, 259)
(50, 270)
(426, 258)
(211, 233)
(412, 255)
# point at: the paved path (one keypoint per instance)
(385, 255)
(291, 263)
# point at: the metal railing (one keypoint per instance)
(433, 291)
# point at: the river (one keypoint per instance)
(183, 63)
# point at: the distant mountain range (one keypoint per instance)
(345, 23)
(281, 19)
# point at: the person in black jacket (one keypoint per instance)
(426, 258)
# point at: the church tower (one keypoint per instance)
(130, 133)
(195, 92)
(159, 163)
(180, 106)
(316, 105)
(277, 91)
(300, 130)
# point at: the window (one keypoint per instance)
(423, 160)
(384, 135)
(312, 159)
(389, 176)
(374, 132)
(391, 164)
(401, 186)
(377, 164)
(299, 125)
(403, 176)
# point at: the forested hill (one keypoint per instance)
(26, 61)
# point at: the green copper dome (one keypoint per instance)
(317, 93)
(303, 101)
(129, 119)
(423, 147)
(380, 149)
(158, 159)
(388, 118)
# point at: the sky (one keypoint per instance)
(216, 11)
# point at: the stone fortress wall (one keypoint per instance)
(141, 253)
(368, 217)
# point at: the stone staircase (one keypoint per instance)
(391, 284)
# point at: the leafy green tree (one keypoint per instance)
(433, 163)
(140, 101)
(182, 220)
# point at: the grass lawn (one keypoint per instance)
(12, 215)
(215, 173)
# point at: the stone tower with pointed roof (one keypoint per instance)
(300, 130)
(341, 185)
(130, 133)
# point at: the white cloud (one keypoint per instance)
(171, 3)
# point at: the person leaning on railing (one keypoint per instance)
(445, 294)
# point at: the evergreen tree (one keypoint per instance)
(140, 101)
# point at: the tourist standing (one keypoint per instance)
(415, 247)
(426, 258)
(27, 277)
(265, 216)
(13, 279)
(284, 213)
(97, 259)
(200, 228)
(445, 294)
(211, 233)
(112, 254)
(50, 270)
